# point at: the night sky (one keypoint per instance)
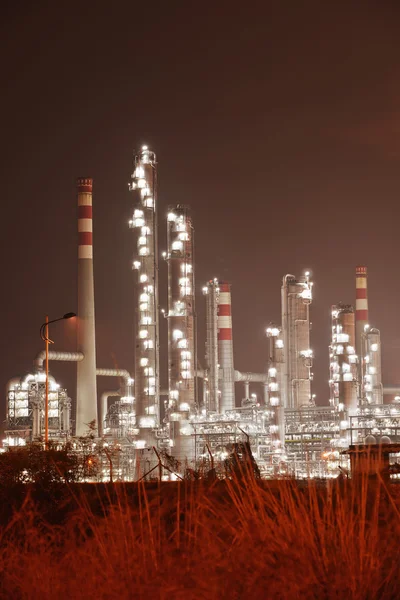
(277, 122)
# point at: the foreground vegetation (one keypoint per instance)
(237, 538)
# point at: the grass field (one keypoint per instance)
(186, 540)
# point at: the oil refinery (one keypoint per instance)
(195, 421)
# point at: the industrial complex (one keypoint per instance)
(196, 422)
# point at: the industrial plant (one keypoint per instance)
(195, 421)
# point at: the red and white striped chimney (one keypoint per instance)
(361, 310)
(225, 348)
(86, 393)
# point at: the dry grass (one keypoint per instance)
(194, 541)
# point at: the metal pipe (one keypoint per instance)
(59, 356)
(128, 381)
(104, 404)
(123, 373)
(251, 377)
(391, 390)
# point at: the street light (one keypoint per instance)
(44, 334)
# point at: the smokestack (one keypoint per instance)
(361, 313)
(225, 348)
(86, 393)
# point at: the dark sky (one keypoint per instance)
(278, 122)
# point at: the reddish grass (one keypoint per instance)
(194, 541)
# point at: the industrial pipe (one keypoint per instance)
(391, 390)
(123, 373)
(104, 406)
(61, 356)
(251, 377)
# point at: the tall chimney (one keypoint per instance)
(225, 348)
(361, 314)
(86, 393)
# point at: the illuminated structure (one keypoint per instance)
(297, 376)
(211, 395)
(144, 222)
(379, 421)
(86, 390)
(274, 385)
(343, 359)
(287, 432)
(371, 366)
(182, 399)
(25, 409)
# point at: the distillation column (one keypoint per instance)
(296, 300)
(225, 348)
(181, 335)
(86, 393)
(372, 366)
(343, 360)
(211, 292)
(144, 221)
(274, 386)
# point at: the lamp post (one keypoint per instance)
(44, 334)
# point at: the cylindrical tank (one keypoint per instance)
(86, 393)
